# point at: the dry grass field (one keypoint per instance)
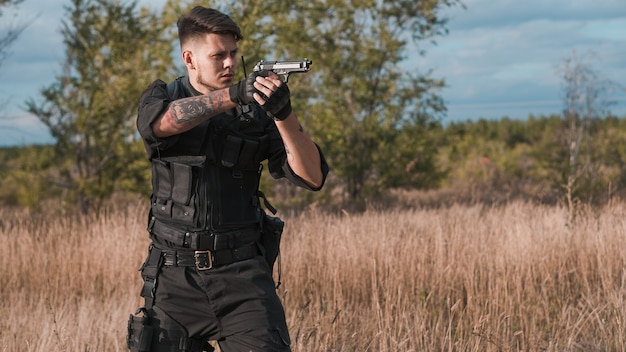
(463, 278)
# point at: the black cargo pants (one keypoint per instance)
(235, 304)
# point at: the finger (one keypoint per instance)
(273, 82)
(273, 75)
(259, 98)
(265, 88)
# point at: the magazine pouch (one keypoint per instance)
(178, 195)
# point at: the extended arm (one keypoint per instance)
(302, 153)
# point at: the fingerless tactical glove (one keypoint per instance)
(242, 92)
(278, 105)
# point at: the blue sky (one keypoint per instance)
(499, 59)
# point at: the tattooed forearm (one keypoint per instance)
(192, 111)
(290, 156)
(184, 114)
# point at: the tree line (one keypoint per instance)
(380, 126)
(475, 160)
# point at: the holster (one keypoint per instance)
(271, 233)
(139, 338)
(141, 329)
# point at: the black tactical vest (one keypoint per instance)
(209, 180)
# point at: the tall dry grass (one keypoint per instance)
(464, 278)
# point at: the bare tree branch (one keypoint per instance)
(9, 34)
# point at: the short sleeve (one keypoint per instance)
(154, 100)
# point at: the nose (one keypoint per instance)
(230, 62)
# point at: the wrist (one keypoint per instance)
(233, 94)
(283, 113)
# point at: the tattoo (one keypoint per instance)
(193, 110)
(290, 157)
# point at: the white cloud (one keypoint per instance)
(22, 129)
(503, 13)
(499, 59)
(35, 60)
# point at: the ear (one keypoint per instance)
(188, 59)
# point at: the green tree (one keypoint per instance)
(22, 178)
(358, 102)
(29, 183)
(113, 51)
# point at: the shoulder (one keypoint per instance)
(156, 89)
(176, 89)
(152, 103)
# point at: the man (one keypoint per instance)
(207, 276)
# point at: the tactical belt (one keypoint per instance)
(201, 259)
(204, 240)
(208, 259)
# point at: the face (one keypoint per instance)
(211, 61)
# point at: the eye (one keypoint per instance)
(218, 56)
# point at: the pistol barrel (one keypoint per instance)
(284, 67)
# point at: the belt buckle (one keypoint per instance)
(206, 265)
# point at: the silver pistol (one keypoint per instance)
(284, 68)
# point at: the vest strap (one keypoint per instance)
(150, 272)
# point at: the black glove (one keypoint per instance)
(278, 105)
(242, 92)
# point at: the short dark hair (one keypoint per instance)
(201, 20)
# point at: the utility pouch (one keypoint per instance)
(235, 201)
(176, 194)
(271, 233)
(139, 338)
